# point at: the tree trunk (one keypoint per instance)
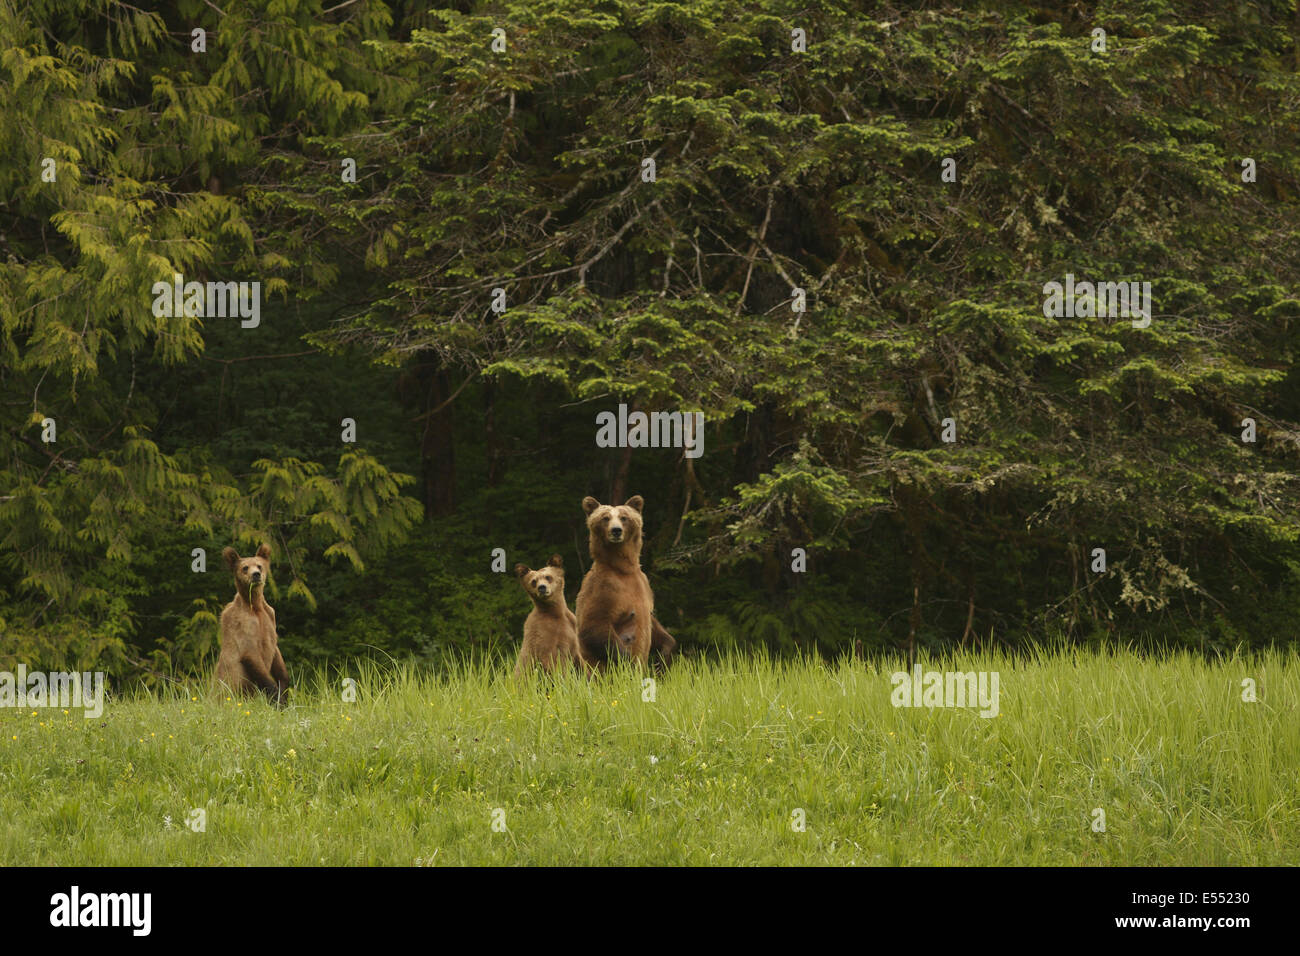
(914, 535)
(914, 624)
(437, 443)
(754, 456)
(495, 459)
(618, 489)
(969, 630)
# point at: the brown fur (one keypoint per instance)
(551, 630)
(250, 660)
(615, 603)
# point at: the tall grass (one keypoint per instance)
(711, 772)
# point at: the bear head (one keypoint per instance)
(250, 573)
(545, 585)
(614, 528)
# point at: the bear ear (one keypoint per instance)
(636, 503)
(231, 557)
(264, 551)
(556, 561)
(521, 570)
(590, 504)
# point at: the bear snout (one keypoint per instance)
(541, 589)
(616, 533)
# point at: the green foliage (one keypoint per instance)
(521, 170)
(112, 97)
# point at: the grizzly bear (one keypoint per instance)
(551, 630)
(250, 658)
(615, 604)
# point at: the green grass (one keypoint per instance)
(709, 773)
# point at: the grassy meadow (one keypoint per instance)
(471, 767)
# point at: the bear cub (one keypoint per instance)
(551, 630)
(250, 658)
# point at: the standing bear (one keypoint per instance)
(551, 630)
(250, 658)
(615, 604)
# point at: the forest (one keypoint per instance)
(442, 252)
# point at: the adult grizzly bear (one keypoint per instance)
(551, 630)
(250, 658)
(615, 604)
